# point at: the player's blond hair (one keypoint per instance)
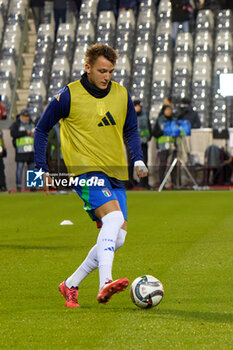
(97, 50)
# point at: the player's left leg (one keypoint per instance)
(70, 294)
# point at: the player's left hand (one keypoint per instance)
(140, 169)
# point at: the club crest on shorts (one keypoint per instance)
(106, 192)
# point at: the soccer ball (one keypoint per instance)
(146, 291)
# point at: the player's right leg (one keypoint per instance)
(91, 263)
(113, 224)
(110, 288)
(112, 221)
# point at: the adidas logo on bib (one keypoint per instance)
(107, 120)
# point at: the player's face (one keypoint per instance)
(100, 73)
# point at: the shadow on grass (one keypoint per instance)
(29, 247)
(215, 317)
(140, 314)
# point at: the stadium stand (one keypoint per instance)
(222, 107)
(106, 28)
(34, 65)
(41, 69)
(148, 66)
(125, 44)
(12, 17)
(63, 55)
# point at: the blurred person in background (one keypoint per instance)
(213, 5)
(3, 114)
(108, 5)
(186, 112)
(181, 16)
(3, 154)
(59, 8)
(78, 4)
(129, 5)
(37, 7)
(229, 4)
(22, 132)
(144, 129)
(54, 155)
(165, 144)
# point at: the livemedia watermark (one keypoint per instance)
(36, 179)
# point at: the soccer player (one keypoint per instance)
(96, 115)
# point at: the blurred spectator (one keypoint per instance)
(227, 167)
(37, 7)
(54, 155)
(144, 130)
(213, 5)
(229, 4)
(3, 153)
(108, 5)
(156, 2)
(181, 16)
(59, 7)
(55, 158)
(129, 4)
(186, 112)
(218, 166)
(165, 144)
(3, 114)
(199, 4)
(78, 4)
(168, 101)
(22, 132)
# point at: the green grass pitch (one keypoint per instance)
(185, 239)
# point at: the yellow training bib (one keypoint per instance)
(92, 134)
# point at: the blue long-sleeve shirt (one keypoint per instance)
(59, 107)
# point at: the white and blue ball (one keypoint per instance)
(146, 291)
